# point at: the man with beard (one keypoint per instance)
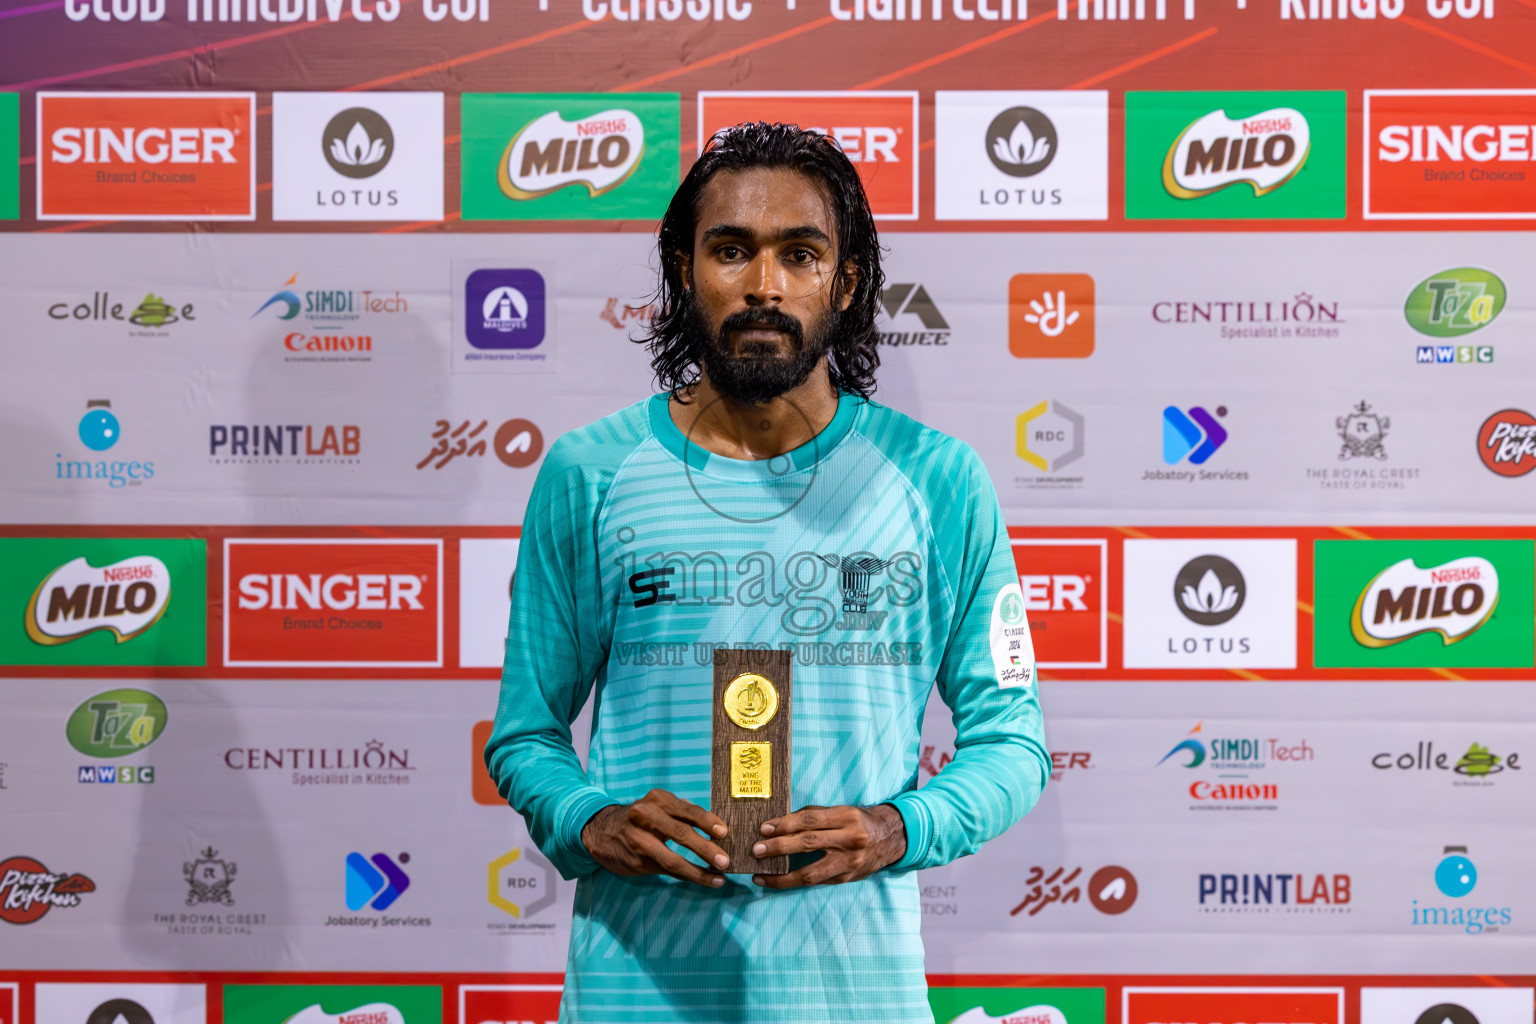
(762, 499)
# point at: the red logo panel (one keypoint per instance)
(1233, 1005)
(509, 1004)
(334, 603)
(1063, 583)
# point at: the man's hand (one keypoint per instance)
(632, 840)
(858, 842)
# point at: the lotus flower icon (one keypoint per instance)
(357, 150)
(358, 143)
(1021, 142)
(1209, 597)
(1209, 590)
(1021, 147)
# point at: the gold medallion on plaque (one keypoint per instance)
(751, 701)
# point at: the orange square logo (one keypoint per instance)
(146, 156)
(1063, 583)
(1232, 1005)
(482, 786)
(333, 603)
(878, 131)
(1050, 316)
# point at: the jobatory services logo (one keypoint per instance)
(1270, 892)
(99, 430)
(1506, 442)
(1424, 603)
(1110, 890)
(375, 882)
(1484, 1005)
(115, 724)
(28, 890)
(877, 131)
(146, 155)
(1050, 316)
(1017, 1005)
(522, 885)
(1063, 583)
(80, 601)
(1231, 1005)
(517, 443)
(148, 316)
(121, 1003)
(1455, 878)
(10, 155)
(1193, 435)
(333, 1004)
(1049, 437)
(1454, 303)
(907, 306)
(334, 156)
(1215, 604)
(1021, 155)
(1441, 154)
(569, 156)
(504, 1004)
(1234, 155)
(333, 603)
(1478, 768)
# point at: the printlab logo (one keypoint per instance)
(1111, 890)
(521, 884)
(1455, 303)
(100, 431)
(28, 890)
(913, 301)
(208, 879)
(304, 444)
(517, 443)
(1194, 435)
(1456, 878)
(1209, 590)
(1050, 316)
(1021, 142)
(1507, 442)
(1049, 436)
(504, 310)
(1292, 893)
(357, 143)
(375, 882)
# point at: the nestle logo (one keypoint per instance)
(132, 572)
(1455, 575)
(617, 124)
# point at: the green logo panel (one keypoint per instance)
(327, 1004)
(984, 1005)
(1455, 302)
(10, 155)
(78, 601)
(116, 723)
(1234, 155)
(1425, 603)
(569, 156)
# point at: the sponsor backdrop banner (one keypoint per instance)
(1233, 300)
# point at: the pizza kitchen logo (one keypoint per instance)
(28, 890)
(1403, 601)
(1215, 152)
(1507, 442)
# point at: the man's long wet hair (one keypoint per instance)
(854, 353)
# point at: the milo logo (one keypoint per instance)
(550, 153)
(116, 723)
(124, 598)
(1404, 600)
(1263, 151)
(1455, 302)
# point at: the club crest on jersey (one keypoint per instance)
(856, 575)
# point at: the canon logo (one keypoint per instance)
(363, 591)
(143, 145)
(864, 144)
(1419, 143)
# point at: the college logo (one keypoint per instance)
(1021, 155)
(1231, 1005)
(334, 156)
(568, 156)
(1017, 1005)
(1111, 890)
(116, 723)
(1234, 155)
(521, 884)
(1441, 154)
(28, 890)
(1507, 442)
(333, 1004)
(1476, 765)
(153, 312)
(1362, 432)
(102, 602)
(1050, 316)
(1446, 1005)
(375, 882)
(338, 603)
(1063, 586)
(1455, 302)
(146, 155)
(877, 131)
(504, 309)
(121, 1003)
(912, 300)
(505, 1004)
(1430, 603)
(1194, 435)
(10, 163)
(208, 879)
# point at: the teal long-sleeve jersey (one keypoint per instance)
(877, 554)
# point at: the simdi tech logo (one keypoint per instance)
(1234, 155)
(1232, 1005)
(1424, 603)
(146, 155)
(1017, 1005)
(89, 601)
(877, 131)
(569, 156)
(333, 1004)
(333, 603)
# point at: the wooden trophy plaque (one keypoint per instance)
(749, 769)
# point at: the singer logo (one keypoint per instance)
(1063, 585)
(1404, 600)
(1263, 151)
(509, 1004)
(333, 603)
(1232, 1005)
(1050, 316)
(877, 131)
(146, 156)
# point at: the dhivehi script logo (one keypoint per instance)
(78, 598)
(372, 1013)
(1041, 1014)
(549, 153)
(1215, 152)
(1453, 599)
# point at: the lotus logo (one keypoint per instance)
(371, 1013)
(1209, 590)
(1021, 142)
(77, 598)
(358, 143)
(1403, 600)
(1215, 152)
(549, 153)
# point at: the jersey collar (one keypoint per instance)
(801, 458)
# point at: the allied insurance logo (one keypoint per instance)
(568, 156)
(1235, 155)
(877, 131)
(333, 603)
(1449, 154)
(1424, 604)
(146, 155)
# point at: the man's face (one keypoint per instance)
(762, 271)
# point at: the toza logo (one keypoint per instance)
(1021, 142)
(1215, 152)
(1455, 302)
(1454, 599)
(116, 723)
(1507, 442)
(124, 598)
(357, 143)
(599, 152)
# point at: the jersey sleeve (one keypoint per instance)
(557, 639)
(987, 678)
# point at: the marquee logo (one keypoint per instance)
(1454, 600)
(1507, 442)
(146, 156)
(28, 890)
(1264, 152)
(1454, 303)
(77, 598)
(598, 152)
(912, 300)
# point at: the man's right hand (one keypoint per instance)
(632, 839)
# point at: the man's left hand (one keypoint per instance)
(857, 841)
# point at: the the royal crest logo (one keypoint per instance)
(209, 879)
(1215, 152)
(1404, 600)
(28, 890)
(1507, 442)
(124, 598)
(1362, 432)
(550, 153)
